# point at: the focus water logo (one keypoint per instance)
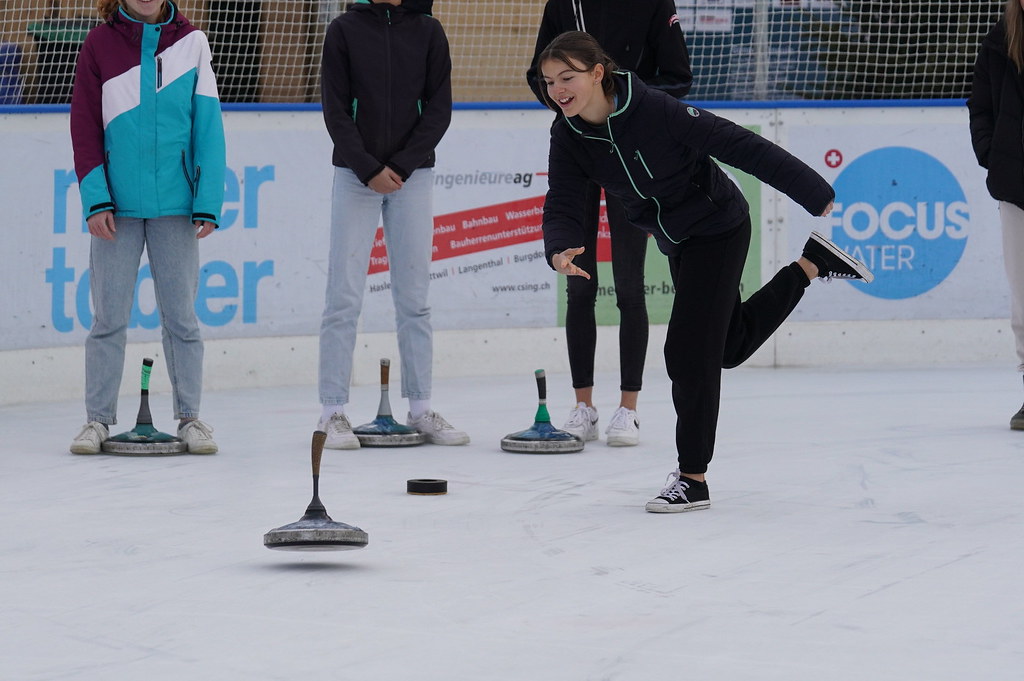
(903, 213)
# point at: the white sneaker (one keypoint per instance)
(624, 428)
(90, 438)
(198, 436)
(437, 430)
(582, 422)
(339, 433)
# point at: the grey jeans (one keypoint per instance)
(408, 218)
(173, 252)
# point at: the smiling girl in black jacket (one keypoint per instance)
(655, 154)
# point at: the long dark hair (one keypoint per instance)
(1014, 17)
(585, 51)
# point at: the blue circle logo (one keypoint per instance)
(903, 213)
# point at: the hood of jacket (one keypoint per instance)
(996, 38)
(414, 6)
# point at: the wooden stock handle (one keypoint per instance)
(319, 438)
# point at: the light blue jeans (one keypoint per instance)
(408, 232)
(173, 252)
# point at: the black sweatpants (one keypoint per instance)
(629, 254)
(711, 329)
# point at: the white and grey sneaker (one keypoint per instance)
(680, 494)
(437, 430)
(1017, 420)
(833, 262)
(90, 439)
(623, 429)
(198, 436)
(582, 422)
(339, 433)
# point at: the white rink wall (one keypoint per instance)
(910, 200)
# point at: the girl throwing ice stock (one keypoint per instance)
(148, 143)
(656, 154)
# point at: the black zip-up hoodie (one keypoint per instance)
(642, 36)
(655, 154)
(996, 108)
(386, 87)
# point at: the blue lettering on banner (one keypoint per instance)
(223, 288)
(905, 215)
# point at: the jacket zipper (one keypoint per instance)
(637, 156)
(188, 178)
(625, 168)
(577, 12)
(159, 72)
(106, 176)
(704, 193)
(387, 77)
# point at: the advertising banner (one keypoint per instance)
(911, 201)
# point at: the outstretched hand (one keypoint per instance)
(828, 209)
(562, 262)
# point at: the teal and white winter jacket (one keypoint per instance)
(146, 124)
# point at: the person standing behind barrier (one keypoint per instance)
(148, 142)
(643, 36)
(657, 155)
(387, 102)
(996, 107)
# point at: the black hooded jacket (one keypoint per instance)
(655, 154)
(642, 36)
(386, 87)
(996, 107)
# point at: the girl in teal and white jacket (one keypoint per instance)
(148, 142)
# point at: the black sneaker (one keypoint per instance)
(680, 494)
(1017, 420)
(833, 262)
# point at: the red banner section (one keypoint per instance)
(478, 229)
(604, 236)
(486, 228)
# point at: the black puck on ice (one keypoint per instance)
(426, 486)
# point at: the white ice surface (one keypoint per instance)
(866, 524)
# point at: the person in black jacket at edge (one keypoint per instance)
(655, 153)
(996, 107)
(645, 37)
(387, 98)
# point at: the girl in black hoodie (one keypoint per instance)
(996, 108)
(655, 153)
(387, 98)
